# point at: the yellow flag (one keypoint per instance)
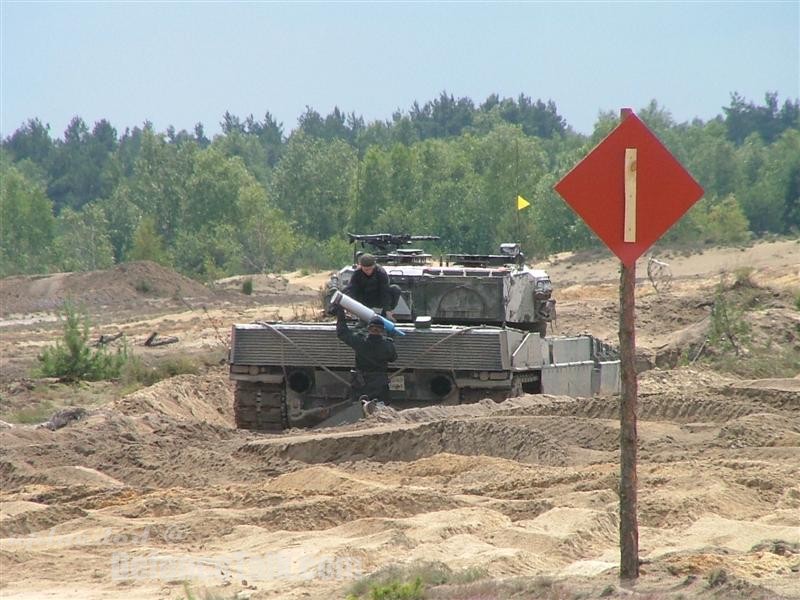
(522, 203)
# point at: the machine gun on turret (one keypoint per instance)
(386, 246)
(510, 253)
(383, 243)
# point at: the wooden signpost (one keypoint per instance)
(629, 190)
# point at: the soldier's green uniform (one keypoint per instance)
(374, 351)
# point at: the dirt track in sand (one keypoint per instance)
(526, 487)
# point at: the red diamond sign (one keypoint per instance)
(629, 190)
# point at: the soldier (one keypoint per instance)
(369, 285)
(374, 352)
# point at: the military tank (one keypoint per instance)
(473, 327)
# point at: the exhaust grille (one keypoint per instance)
(438, 348)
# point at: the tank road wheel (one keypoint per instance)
(259, 406)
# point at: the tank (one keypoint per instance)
(473, 327)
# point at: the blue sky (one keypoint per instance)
(179, 63)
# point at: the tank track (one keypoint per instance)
(260, 406)
(472, 395)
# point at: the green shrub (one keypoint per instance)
(71, 358)
(148, 244)
(204, 594)
(247, 287)
(608, 591)
(729, 329)
(33, 414)
(715, 221)
(726, 222)
(143, 286)
(743, 277)
(717, 577)
(431, 573)
(406, 582)
(398, 591)
(468, 575)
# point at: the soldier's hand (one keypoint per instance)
(390, 316)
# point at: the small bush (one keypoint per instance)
(608, 591)
(143, 286)
(729, 328)
(410, 581)
(779, 547)
(247, 287)
(32, 414)
(743, 277)
(717, 577)
(433, 573)
(398, 591)
(71, 358)
(468, 575)
(540, 588)
(204, 594)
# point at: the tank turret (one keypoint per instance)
(458, 289)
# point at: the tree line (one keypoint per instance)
(256, 199)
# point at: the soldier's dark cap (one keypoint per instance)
(376, 321)
(366, 260)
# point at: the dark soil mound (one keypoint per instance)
(135, 282)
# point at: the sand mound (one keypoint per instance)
(128, 283)
(683, 379)
(18, 507)
(577, 528)
(789, 385)
(739, 535)
(151, 449)
(287, 289)
(205, 398)
(29, 521)
(450, 468)
(525, 440)
(77, 475)
(322, 480)
(761, 429)
(663, 508)
(156, 504)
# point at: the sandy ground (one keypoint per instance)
(155, 495)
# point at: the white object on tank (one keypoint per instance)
(362, 312)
